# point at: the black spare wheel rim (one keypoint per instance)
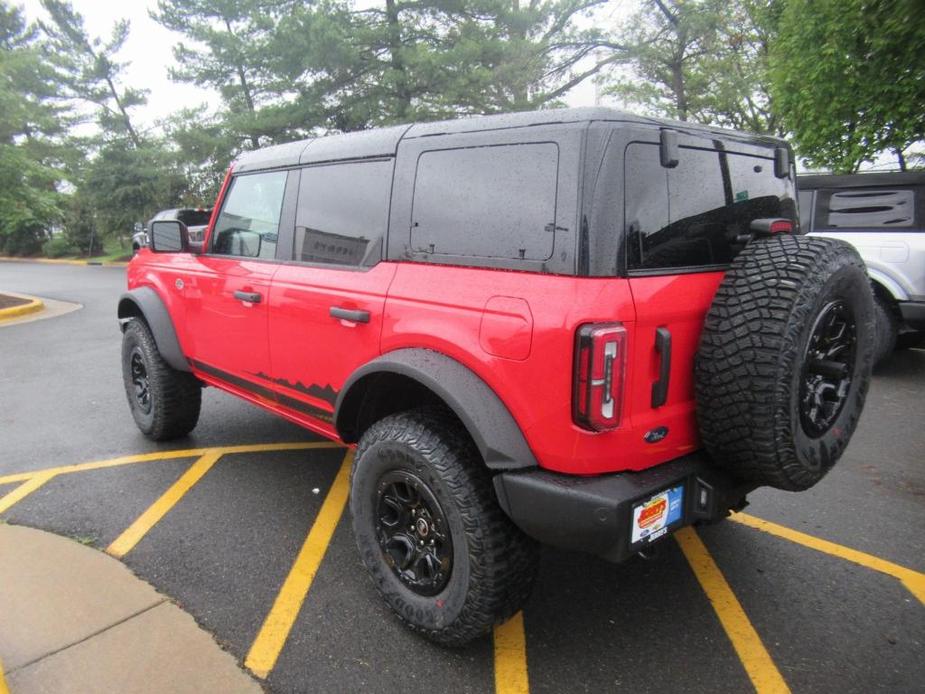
(828, 366)
(140, 381)
(413, 532)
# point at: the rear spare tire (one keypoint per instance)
(784, 360)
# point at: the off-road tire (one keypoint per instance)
(175, 396)
(494, 563)
(887, 327)
(749, 368)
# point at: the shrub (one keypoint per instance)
(58, 246)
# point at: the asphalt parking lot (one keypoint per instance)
(242, 524)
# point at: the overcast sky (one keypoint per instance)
(148, 50)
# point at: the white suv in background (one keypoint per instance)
(883, 216)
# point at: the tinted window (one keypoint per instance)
(867, 208)
(249, 222)
(713, 196)
(489, 202)
(343, 213)
(646, 209)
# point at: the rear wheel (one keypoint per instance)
(165, 403)
(784, 360)
(437, 546)
(887, 327)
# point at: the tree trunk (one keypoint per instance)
(680, 94)
(125, 119)
(402, 92)
(245, 89)
(901, 158)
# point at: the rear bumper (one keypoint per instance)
(595, 514)
(913, 313)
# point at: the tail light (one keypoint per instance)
(771, 225)
(600, 364)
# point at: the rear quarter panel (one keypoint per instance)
(444, 309)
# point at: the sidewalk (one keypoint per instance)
(14, 305)
(73, 619)
(31, 308)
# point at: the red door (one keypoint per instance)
(230, 285)
(227, 304)
(326, 308)
(324, 324)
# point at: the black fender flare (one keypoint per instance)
(146, 302)
(487, 419)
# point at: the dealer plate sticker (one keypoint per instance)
(651, 517)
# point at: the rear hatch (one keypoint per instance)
(683, 226)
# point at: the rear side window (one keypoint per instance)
(489, 202)
(343, 213)
(712, 197)
(871, 208)
(248, 225)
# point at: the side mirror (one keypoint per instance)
(168, 236)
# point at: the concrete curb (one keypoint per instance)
(64, 261)
(77, 620)
(34, 305)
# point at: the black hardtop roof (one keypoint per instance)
(860, 180)
(382, 142)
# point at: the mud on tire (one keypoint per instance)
(784, 360)
(165, 403)
(487, 566)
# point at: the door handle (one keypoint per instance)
(663, 347)
(249, 297)
(352, 315)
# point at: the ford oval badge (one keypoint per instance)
(655, 435)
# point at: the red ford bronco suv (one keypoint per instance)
(579, 327)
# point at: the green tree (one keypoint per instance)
(126, 185)
(849, 78)
(203, 148)
(700, 60)
(89, 70)
(31, 128)
(230, 50)
(423, 59)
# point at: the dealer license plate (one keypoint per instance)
(652, 517)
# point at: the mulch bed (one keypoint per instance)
(7, 301)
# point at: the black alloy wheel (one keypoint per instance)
(438, 547)
(164, 402)
(828, 364)
(140, 381)
(413, 532)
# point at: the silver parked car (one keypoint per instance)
(883, 216)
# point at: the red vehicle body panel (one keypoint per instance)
(517, 335)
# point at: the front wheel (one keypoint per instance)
(164, 402)
(437, 546)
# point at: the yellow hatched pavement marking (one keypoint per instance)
(511, 657)
(912, 580)
(755, 658)
(3, 688)
(278, 623)
(147, 520)
(24, 490)
(166, 455)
